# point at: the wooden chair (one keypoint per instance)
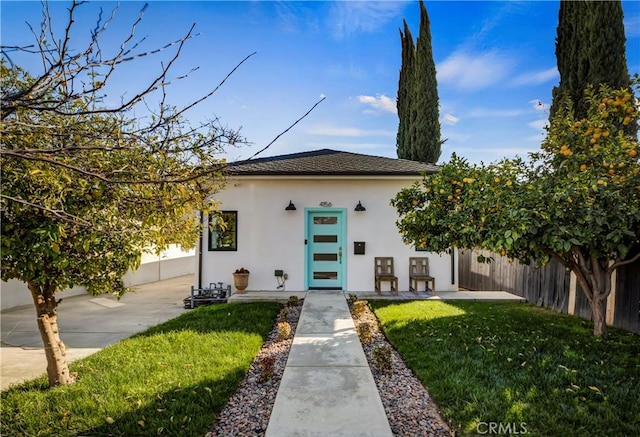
(418, 272)
(384, 272)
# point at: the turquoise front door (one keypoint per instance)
(325, 257)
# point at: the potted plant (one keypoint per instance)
(241, 279)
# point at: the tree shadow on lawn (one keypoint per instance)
(181, 410)
(150, 383)
(188, 410)
(518, 364)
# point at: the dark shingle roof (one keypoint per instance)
(329, 162)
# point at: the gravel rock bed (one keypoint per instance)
(410, 410)
(247, 412)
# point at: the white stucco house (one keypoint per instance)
(319, 218)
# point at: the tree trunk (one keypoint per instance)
(595, 280)
(47, 319)
(599, 310)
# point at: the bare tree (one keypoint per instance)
(86, 186)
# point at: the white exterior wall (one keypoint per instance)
(171, 263)
(271, 238)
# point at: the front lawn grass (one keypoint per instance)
(518, 366)
(172, 379)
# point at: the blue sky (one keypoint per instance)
(495, 64)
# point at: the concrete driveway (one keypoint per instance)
(87, 324)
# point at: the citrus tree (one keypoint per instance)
(87, 187)
(576, 200)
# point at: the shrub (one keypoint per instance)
(351, 299)
(282, 315)
(293, 301)
(365, 332)
(359, 308)
(266, 369)
(284, 330)
(383, 358)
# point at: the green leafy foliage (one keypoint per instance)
(590, 50)
(577, 200)
(418, 136)
(86, 187)
(83, 196)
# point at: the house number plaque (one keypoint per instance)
(326, 204)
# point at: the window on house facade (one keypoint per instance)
(223, 231)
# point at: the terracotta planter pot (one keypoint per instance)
(241, 281)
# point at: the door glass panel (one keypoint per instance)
(325, 275)
(325, 257)
(325, 238)
(325, 220)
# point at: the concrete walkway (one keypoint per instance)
(87, 324)
(327, 388)
(282, 296)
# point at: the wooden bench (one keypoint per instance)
(418, 272)
(384, 272)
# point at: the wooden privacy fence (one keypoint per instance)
(551, 286)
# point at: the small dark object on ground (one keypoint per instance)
(207, 296)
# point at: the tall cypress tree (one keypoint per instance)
(418, 110)
(405, 94)
(427, 145)
(590, 50)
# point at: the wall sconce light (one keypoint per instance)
(290, 207)
(359, 207)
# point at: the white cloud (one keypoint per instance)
(474, 71)
(450, 119)
(379, 103)
(536, 139)
(349, 17)
(632, 26)
(539, 105)
(540, 124)
(338, 131)
(536, 77)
